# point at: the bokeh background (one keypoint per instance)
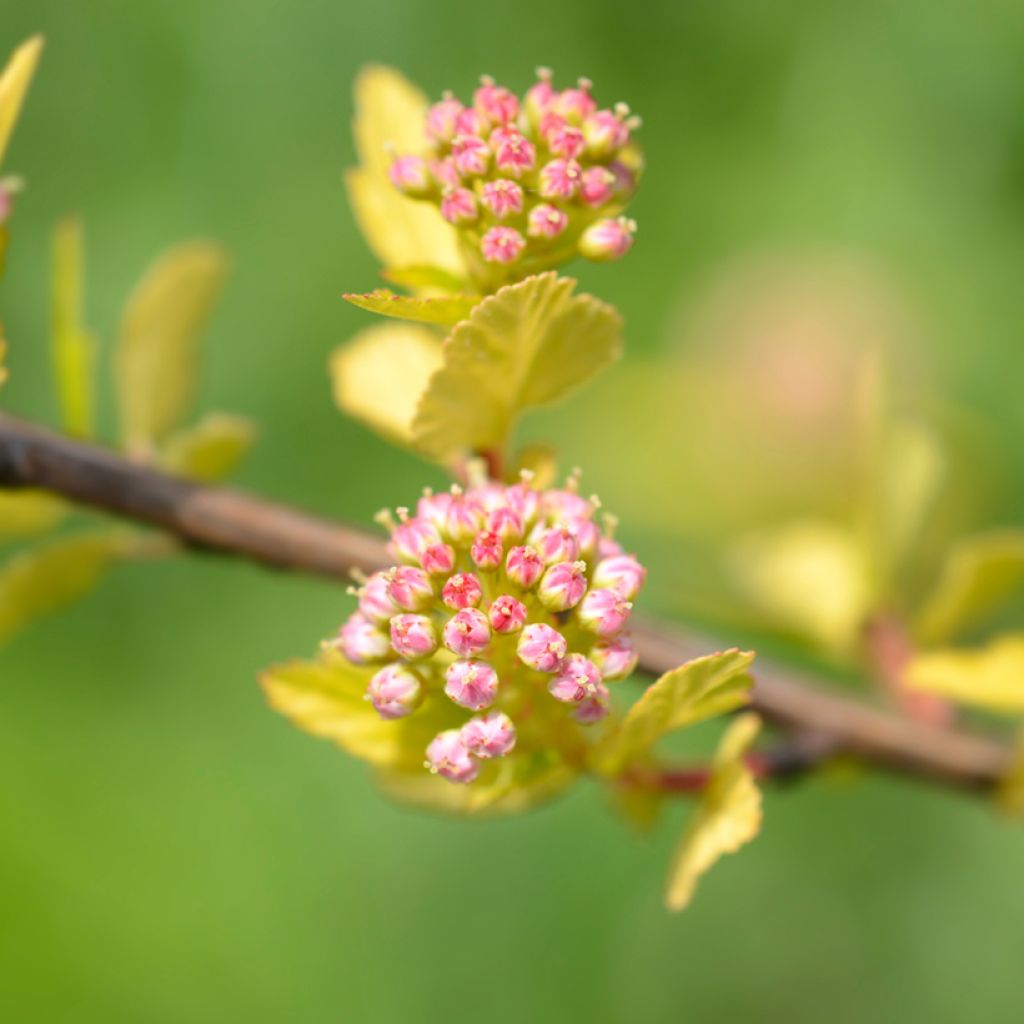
(821, 174)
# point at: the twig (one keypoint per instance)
(230, 522)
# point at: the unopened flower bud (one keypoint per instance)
(560, 179)
(361, 641)
(458, 206)
(470, 155)
(502, 245)
(395, 691)
(593, 708)
(491, 735)
(375, 600)
(556, 544)
(539, 96)
(540, 647)
(565, 140)
(505, 522)
(411, 175)
(503, 197)
(438, 560)
(605, 133)
(577, 679)
(465, 518)
(495, 102)
(462, 590)
(410, 588)
(412, 538)
(445, 173)
(467, 633)
(471, 684)
(524, 566)
(622, 573)
(608, 239)
(586, 533)
(448, 756)
(487, 550)
(596, 186)
(615, 658)
(413, 636)
(575, 105)
(603, 612)
(506, 614)
(563, 586)
(514, 154)
(442, 119)
(546, 221)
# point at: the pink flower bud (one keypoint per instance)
(471, 684)
(567, 504)
(608, 547)
(625, 179)
(395, 691)
(411, 175)
(575, 104)
(540, 647)
(594, 708)
(556, 544)
(470, 155)
(374, 599)
(503, 197)
(487, 550)
(465, 518)
(524, 566)
(462, 591)
(442, 119)
(514, 154)
(506, 614)
(467, 633)
(410, 588)
(560, 179)
(565, 140)
(491, 735)
(413, 636)
(546, 221)
(578, 678)
(525, 500)
(361, 641)
(540, 96)
(502, 245)
(412, 538)
(586, 533)
(505, 522)
(470, 122)
(596, 186)
(563, 586)
(458, 206)
(615, 658)
(496, 103)
(605, 133)
(438, 560)
(622, 573)
(448, 756)
(608, 239)
(445, 173)
(603, 612)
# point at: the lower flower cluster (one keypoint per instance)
(511, 601)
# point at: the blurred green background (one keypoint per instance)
(172, 851)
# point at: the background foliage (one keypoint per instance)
(172, 851)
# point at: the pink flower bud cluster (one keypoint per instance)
(528, 182)
(509, 602)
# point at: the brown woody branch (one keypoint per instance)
(230, 522)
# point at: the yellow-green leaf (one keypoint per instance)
(73, 346)
(25, 513)
(424, 278)
(14, 83)
(990, 677)
(211, 449)
(809, 577)
(156, 362)
(727, 816)
(698, 690)
(445, 310)
(47, 578)
(978, 575)
(530, 344)
(389, 118)
(380, 375)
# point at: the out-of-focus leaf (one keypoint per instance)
(432, 279)
(507, 785)
(639, 805)
(326, 698)
(380, 375)
(14, 83)
(158, 348)
(990, 677)
(211, 449)
(3, 355)
(389, 118)
(541, 460)
(530, 344)
(1010, 794)
(979, 574)
(74, 347)
(24, 513)
(698, 690)
(809, 577)
(728, 814)
(55, 574)
(445, 310)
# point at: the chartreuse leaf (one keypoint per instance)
(727, 816)
(528, 345)
(211, 449)
(445, 310)
(389, 118)
(990, 677)
(14, 83)
(979, 574)
(698, 690)
(73, 347)
(55, 574)
(24, 513)
(326, 698)
(380, 375)
(425, 278)
(1010, 794)
(155, 364)
(507, 785)
(810, 577)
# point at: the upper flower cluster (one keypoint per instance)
(528, 182)
(507, 601)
